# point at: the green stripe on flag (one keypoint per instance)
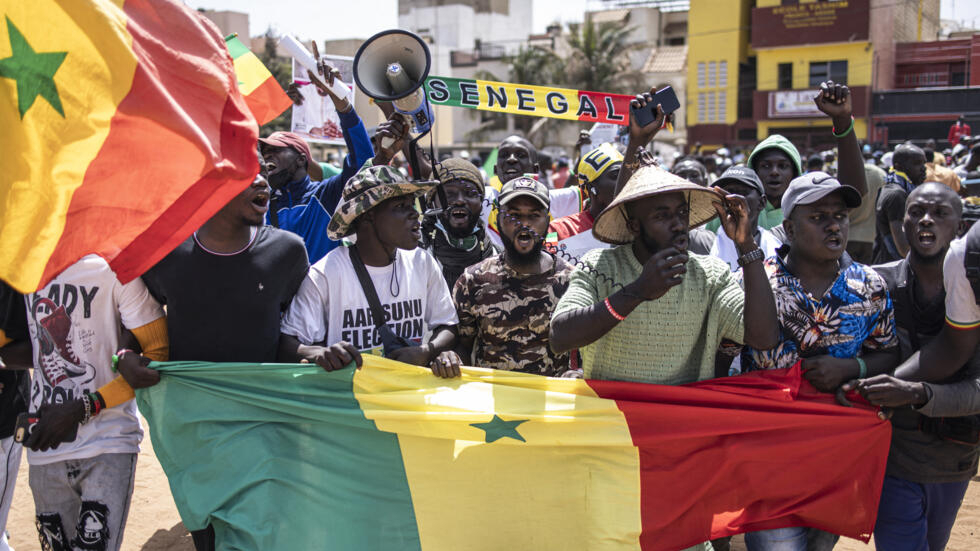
(235, 46)
(283, 442)
(490, 165)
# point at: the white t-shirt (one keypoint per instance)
(75, 329)
(579, 244)
(724, 247)
(330, 305)
(961, 305)
(564, 201)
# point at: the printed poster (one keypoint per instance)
(317, 120)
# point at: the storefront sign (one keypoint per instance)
(793, 103)
(810, 23)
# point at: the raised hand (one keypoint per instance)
(642, 135)
(834, 100)
(294, 94)
(660, 272)
(733, 211)
(396, 131)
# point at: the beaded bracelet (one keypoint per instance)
(98, 402)
(87, 404)
(612, 311)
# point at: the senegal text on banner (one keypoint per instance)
(391, 457)
(520, 99)
(124, 131)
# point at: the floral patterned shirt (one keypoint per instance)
(855, 313)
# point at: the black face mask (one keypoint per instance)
(278, 179)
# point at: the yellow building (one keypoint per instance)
(753, 71)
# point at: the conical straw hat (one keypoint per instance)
(647, 181)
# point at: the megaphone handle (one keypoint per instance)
(387, 142)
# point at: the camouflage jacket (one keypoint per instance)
(509, 314)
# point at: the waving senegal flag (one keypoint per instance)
(390, 457)
(123, 131)
(263, 95)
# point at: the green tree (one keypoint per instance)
(281, 69)
(531, 65)
(599, 58)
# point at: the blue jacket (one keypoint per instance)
(305, 207)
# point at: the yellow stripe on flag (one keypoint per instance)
(46, 152)
(573, 482)
(504, 98)
(251, 73)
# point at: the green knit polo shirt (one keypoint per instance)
(671, 340)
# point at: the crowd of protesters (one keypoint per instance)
(615, 266)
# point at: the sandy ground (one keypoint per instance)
(155, 526)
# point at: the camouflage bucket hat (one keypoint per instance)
(367, 189)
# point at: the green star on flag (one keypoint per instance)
(34, 72)
(497, 428)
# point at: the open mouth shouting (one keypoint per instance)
(835, 242)
(260, 201)
(458, 216)
(926, 238)
(525, 240)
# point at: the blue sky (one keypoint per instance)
(332, 19)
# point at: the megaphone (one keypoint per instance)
(392, 66)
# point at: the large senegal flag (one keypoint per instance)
(391, 457)
(522, 99)
(123, 131)
(263, 95)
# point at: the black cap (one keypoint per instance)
(741, 175)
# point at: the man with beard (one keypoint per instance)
(244, 276)
(331, 305)
(908, 170)
(929, 467)
(597, 171)
(299, 204)
(834, 314)
(517, 157)
(644, 310)
(456, 237)
(505, 302)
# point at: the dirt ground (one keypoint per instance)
(154, 524)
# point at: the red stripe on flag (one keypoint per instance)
(754, 452)
(267, 101)
(181, 144)
(611, 108)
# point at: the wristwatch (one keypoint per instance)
(750, 257)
